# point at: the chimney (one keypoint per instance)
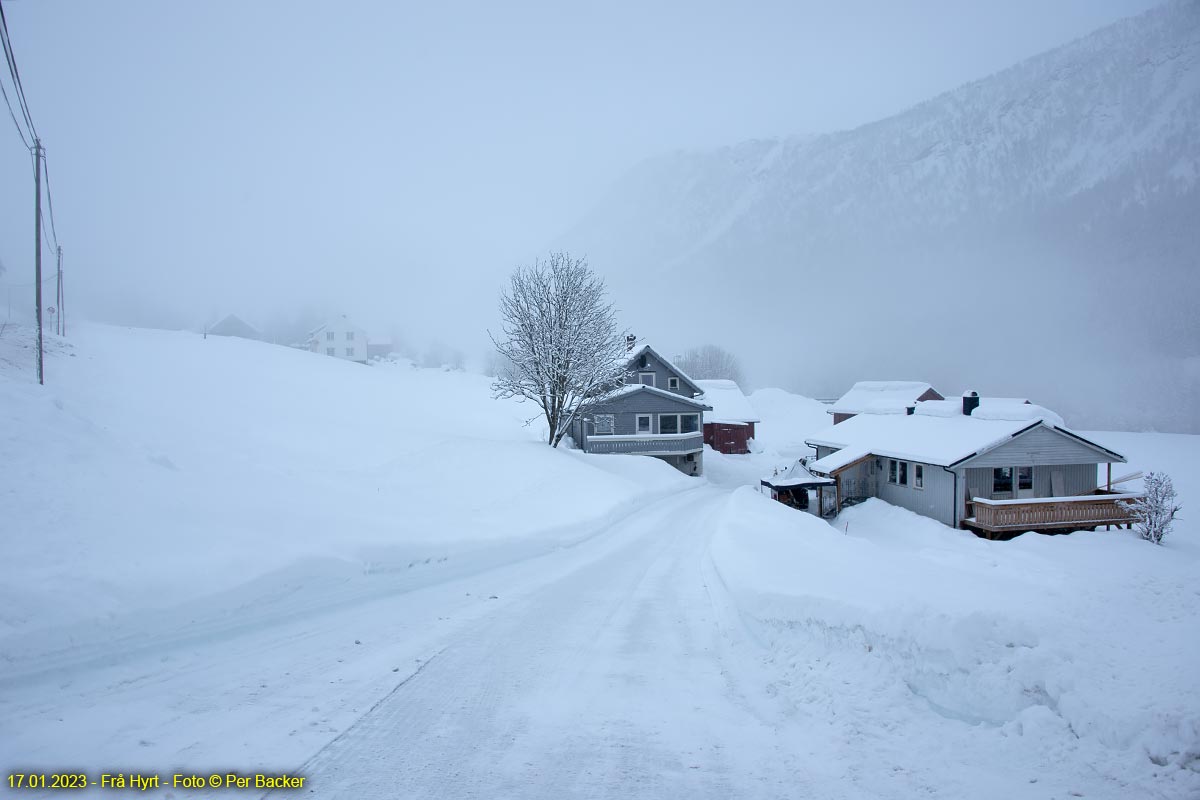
(910, 410)
(630, 341)
(970, 402)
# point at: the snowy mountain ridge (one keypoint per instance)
(1065, 174)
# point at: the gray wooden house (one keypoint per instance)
(997, 467)
(656, 413)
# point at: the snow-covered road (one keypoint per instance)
(619, 678)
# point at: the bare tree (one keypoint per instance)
(560, 344)
(711, 361)
(1154, 512)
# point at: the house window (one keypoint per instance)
(605, 423)
(918, 476)
(646, 378)
(903, 473)
(1002, 480)
(330, 351)
(1024, 479)
(643, 423)
(892, 470)
(349, 336)
(678, 423)
(350, 351)
(329, 337)
(672, 383)
(897, 472)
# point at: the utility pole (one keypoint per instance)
(58, 319)
(37, 252)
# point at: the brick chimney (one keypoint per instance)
(630, 341)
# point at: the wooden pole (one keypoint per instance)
(1110, 476)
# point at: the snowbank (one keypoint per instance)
(1076, 646)
(787, 419)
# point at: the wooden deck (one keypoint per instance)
(1048, 514)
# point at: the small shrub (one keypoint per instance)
(1154, 513)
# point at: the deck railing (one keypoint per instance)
(1085, 511)
(647, 444)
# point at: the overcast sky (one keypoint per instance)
(394, 160)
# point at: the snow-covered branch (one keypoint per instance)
(559, 340)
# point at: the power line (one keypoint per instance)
(13, 114)
(15, 73)
(49, 197)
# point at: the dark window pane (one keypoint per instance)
(668, 423)
(891, 470)
(643, 424)
(903, 473)
(1002, 479)
(690, 422)
(1024, 477)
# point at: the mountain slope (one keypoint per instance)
(1033, 232)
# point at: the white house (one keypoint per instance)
(339, 338)
(997, 466)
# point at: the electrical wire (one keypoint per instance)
(15, 73)
(49, 197)
(13, 114)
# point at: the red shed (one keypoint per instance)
(730, 426)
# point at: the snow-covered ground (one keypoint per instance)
(228, 555)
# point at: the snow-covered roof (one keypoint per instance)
(937, 433)
(1008, 408)
(795, 475)
(631, 388)
(880, 397)
(728, 403)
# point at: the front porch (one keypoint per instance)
(1004, 518)
(646, 444)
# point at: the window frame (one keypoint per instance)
(893, 471)
(637, 424)
(653, 379)
(349, 352)
(672, 383)
(918, 476)
(329, 336)
(331, 351)
(610, 419)
(349, 336)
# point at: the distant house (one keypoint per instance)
(996, 466)
(730, 426)
(339, 338)
(235, 326)
(657, 413)
(881, 397)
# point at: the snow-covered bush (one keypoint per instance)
(1154, 512)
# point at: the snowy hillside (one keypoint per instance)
(157, 467)
(1056, 200)
(224, 554)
